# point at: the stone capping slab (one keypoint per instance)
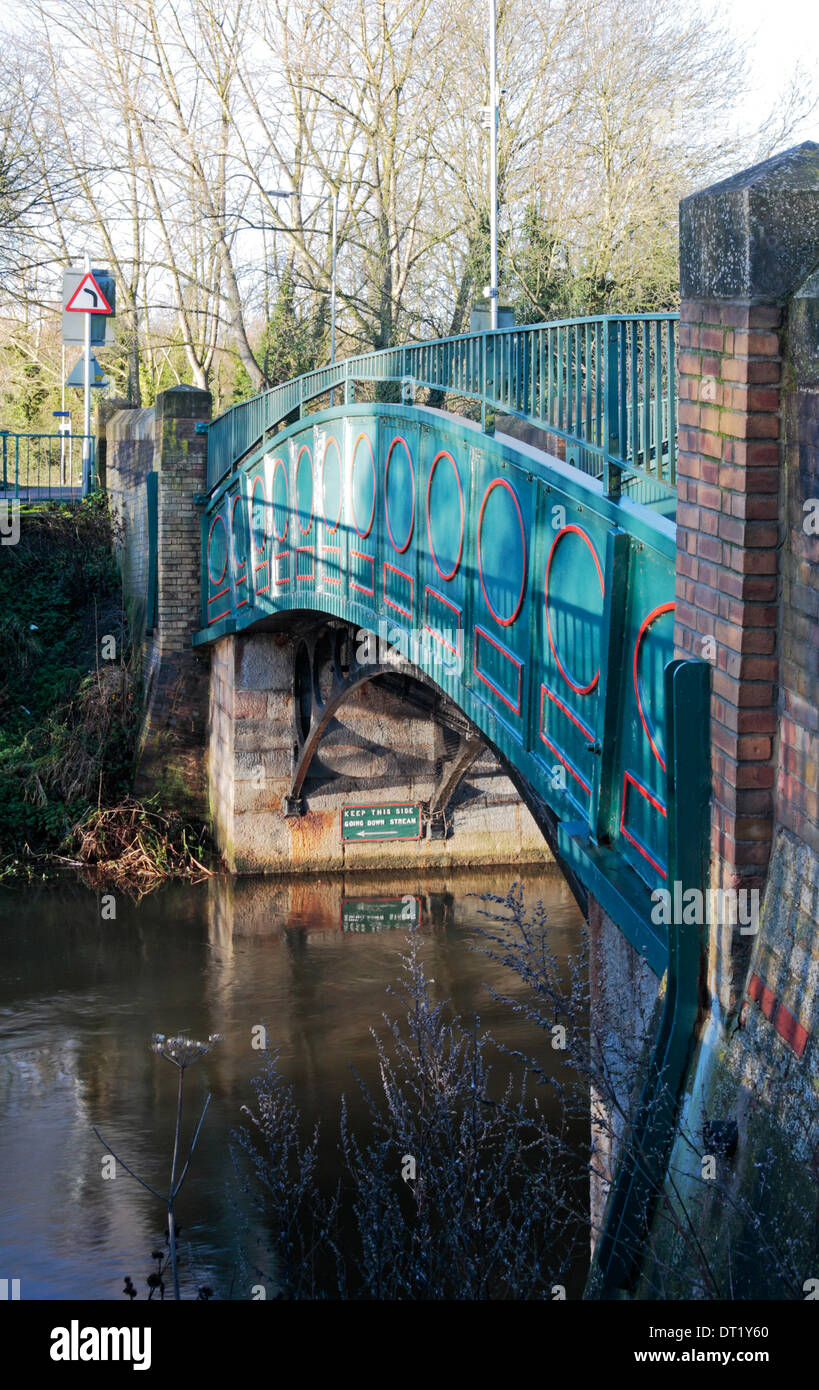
(183, 403)
(131, 423)
(803, 331)
(753, 236)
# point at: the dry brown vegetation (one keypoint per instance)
(135, 846)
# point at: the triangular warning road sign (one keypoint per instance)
(88, 298)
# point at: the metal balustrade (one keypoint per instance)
(604, 384)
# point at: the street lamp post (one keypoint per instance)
(271, 193)
(493, 166)
(87, 457)
(333, 293)
(333, 280)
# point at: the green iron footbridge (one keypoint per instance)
(533, 585)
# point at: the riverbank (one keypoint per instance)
(70, 709)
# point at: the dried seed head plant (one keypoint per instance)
(182, 1052)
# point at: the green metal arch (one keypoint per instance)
(482, 631)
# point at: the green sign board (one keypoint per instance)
(396, 822)
(380, 914)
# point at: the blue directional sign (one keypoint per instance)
(76, 377)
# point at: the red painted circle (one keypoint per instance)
(399, 548)
(501, 482)
(258, 548)
(237, 499)
(369, 525)
(564, 531)
(280, 463)
(211, 575)
(444, 455)
(655, 613)
(332, 529)
(305, 530)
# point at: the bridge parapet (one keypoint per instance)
(156, 467)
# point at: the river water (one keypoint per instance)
(80, 998)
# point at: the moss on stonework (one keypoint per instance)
(170, 781)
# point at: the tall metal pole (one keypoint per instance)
(86, 425)
(333, 280)
(333, 290)
(62, 421)
(493, 165)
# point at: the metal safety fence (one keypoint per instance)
(46, 467)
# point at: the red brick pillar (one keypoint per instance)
(745, 245)
(171, 753)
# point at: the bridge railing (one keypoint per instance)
(604, 384)
(45, 467)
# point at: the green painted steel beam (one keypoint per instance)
(646, 1144)
(602, 818)
(620, 891)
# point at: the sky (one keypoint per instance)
(780, 33)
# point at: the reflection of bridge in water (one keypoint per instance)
(83, 997)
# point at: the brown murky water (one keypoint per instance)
(80, 998)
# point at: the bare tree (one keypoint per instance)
(200, 113)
